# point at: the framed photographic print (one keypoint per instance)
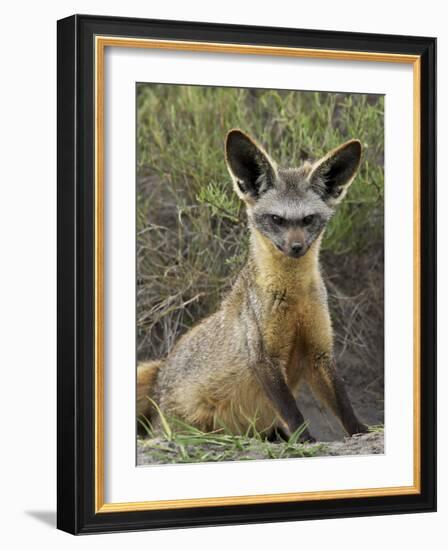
(246, 274)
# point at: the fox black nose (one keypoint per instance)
(296, 248)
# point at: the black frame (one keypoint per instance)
(75, 94)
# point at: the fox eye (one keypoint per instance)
(277, 219)
(307, 220)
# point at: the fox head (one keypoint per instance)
(290, 207)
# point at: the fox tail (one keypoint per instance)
(146, 377)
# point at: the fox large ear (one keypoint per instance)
(252, 170)
(332, 175)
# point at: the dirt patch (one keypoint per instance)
(162, 451)
(360, 444)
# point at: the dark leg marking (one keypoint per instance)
(329, 387)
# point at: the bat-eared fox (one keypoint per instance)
(243, 365)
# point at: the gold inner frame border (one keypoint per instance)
(100, 44)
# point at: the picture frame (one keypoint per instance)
(82, 196)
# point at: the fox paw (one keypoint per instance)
(359, 429)
(306, 437)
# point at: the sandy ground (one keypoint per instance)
(361, 444)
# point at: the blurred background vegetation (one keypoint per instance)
(191, 229)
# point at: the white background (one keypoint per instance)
(28, 272)
(123, 481)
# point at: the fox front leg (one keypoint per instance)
(272, 380)
(321, 373)
(329, 387)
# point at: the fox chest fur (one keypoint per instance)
(294, 305)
